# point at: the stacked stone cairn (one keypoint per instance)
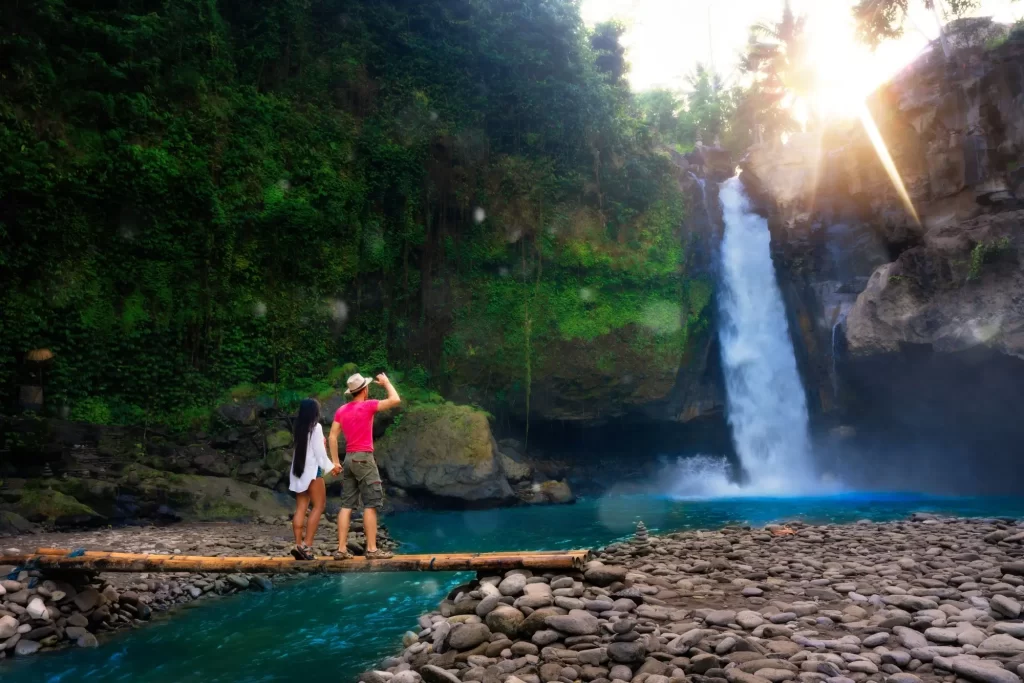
(928, 599)
(641, 540)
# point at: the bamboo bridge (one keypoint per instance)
(99, 561)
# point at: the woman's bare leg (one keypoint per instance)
(299, 519)
(318, 493)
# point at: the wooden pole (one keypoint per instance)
(55, 558)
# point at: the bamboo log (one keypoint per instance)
(56, 558)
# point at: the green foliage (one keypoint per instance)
(92, 409)
(704, 112)
(986, 252)
(880, 20)
(709, 106)
(777, 63)
(204, 194)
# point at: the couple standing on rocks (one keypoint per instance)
(359, 474)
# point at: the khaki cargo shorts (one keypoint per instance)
(361, 478)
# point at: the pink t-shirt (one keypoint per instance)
(356, 419)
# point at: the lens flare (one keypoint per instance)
(883, 155)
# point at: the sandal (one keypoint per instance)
(379, 554)
(342, 555)
(302, 552)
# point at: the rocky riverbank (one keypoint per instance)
(926, 599)
(40, 612)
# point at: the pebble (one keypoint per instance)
(1006, 606)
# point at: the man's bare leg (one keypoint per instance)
(344, 519)
(370, 529)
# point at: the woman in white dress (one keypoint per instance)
(309, 462)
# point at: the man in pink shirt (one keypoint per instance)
(360, 476)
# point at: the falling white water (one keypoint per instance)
(766, 404)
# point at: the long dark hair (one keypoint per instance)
(309, 415)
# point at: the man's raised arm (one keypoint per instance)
(393, 399)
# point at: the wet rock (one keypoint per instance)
(468, 636)
(435, 674)
(576, 623)
(487, 605)
(505, 619)
(909, 637)
(36, 609)
(700, 664)
(620, 672)
(1006, 606)
(902, 678)
(545, 637)
(876, 639)
(738, 676)
(238, 581)
(604, 575)
(87, 640)
(26, 647)
(977, 670)
(627, 653)
(8, 627)
(911, 603)
(863, 666)
(512, 585)
(720, 617)
(1002, 644)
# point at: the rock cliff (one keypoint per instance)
(910, 317)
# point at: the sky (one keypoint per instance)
(666, 38)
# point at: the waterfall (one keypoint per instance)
(767, 408)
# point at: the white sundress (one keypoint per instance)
(316, 457)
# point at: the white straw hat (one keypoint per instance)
(356, 383)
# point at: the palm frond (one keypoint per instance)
(763, 29)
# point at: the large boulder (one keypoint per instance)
(514, 469)
(548, 492)
(206, 460)
(962, 289)
(446, 450)
(239, 411)
(12, 523)
(46, 505)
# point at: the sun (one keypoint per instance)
(846, 74)
(846, 71)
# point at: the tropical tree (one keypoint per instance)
(709, 105)
(658, 108)
(781, 75)
(881, 20)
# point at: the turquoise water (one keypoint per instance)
(332, 628)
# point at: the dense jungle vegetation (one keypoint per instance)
(200, 196)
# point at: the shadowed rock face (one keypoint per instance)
(962, 288)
